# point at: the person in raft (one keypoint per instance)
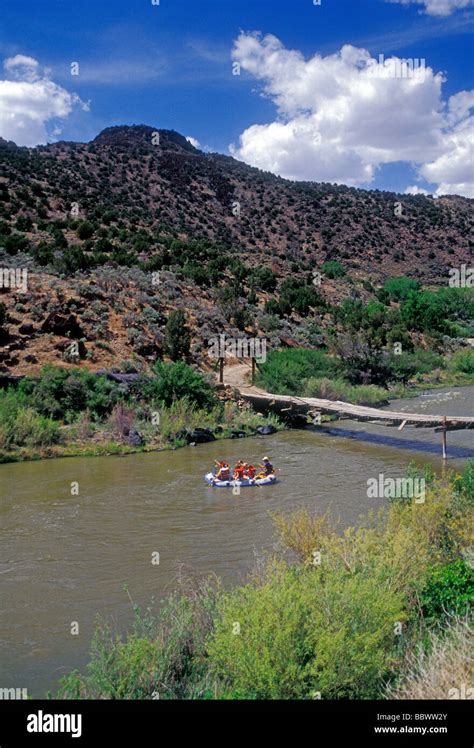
(267, 467)
(239, 470)
(223, 470)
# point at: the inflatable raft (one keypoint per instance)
(211, 480)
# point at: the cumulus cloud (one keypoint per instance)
(438, 7)
(415, 190)
(193, 141)
(30, 102)
(342, 116)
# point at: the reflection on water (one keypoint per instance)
(66, 558)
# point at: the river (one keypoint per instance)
(65, 558)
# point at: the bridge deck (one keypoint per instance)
(356, 412)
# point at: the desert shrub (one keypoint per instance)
(406, 365)
(449, 590)
(438, 668)
(177, 336)
(294, 296)
(284, 372)
(15, 243)
(21, 425)
(400, 288)
(462, 361)
(303, 632)
(161, 657)
(337, 389)
(33, 430)
(333, 269)
(63, 393)
(262, 278)
(85, 230)
(175, 381)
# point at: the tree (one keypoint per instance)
(85, 230)
(177, 336)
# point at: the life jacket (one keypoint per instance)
(269, 469)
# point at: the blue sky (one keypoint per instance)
(170, 66)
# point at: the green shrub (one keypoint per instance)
(63, 393)
(400, 288)
(337, 389)
(462, 361)
(34, 430)
(449, 591)
(177, 336)
(284, 371)
(303, 632)
(85, 230)
(464, 483)
(21, 425)
(333, 269)
(175, 381)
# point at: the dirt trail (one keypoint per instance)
(239, 376)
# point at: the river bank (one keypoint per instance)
(97, 440)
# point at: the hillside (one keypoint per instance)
(118, 232)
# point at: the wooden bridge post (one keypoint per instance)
(253, 370)
(221, 370)
(443, 433)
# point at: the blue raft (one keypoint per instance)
(267, 481)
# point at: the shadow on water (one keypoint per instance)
(416, 445)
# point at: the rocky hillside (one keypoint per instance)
(118, 232)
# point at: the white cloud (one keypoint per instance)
(193, 141)
(342, 116)
(415, 190)
(438, 7)
(30, 101)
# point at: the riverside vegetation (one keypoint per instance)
(408, 338)
(382, 610)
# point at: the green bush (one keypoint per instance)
(175, 381)
(337, 389)
(405, 366)
(22, 426)
(63, 393)
(333, 269)
(301, 632)
(462, 361)
(464, 483)
(400, 288)
(34, 430)
(162, 657)
(85, 230)
(433, 311)
(177, 336)
(284, 372)
(449, 591)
